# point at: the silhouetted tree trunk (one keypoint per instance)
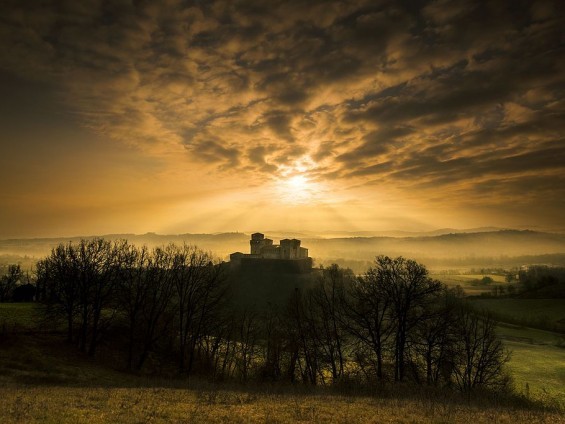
(301, 335)
(368, 309)
(200, 289)
(434, 335)
(479, 354)
(80, 281)
(58, 275)
(324, 314)
(9, 282)
(145, 294)
(409, 289)
(247, 339)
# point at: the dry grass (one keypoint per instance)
(43, 380)
(164, 405)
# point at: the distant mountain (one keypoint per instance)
(447, 246)
(466, 248)
(220, 244)
(399, 233)
(388, 233)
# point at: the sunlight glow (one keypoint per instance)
(298, 189)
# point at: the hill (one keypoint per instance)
(42, 380)
(485, 248)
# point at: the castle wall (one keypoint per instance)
(271, 252)
(263, 252)
(290, 266)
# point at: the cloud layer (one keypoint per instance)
(458, 100)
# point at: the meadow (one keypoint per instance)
(538, 371)
(537, 362)
(18, 317)
(540, 313)
(220, 405)
(470, 283)
(42, 380)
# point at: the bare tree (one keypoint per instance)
(302, 343)
(325, 315)
(394, 314)
(434, 336)
(97, 261)
(9, 282)
(479, 354)
(57, 279)
(144, 296)
(79, 282)
(200, 290)
(368, 310)
(132, 293)
(409, 289)
(274, 350)
(247, 342)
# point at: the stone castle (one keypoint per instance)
(264, 251)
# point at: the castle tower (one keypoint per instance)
(256, 242)
(294, 249)
(290, 249)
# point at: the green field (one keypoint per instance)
(468, 282)
(530, 335)
(42, 380)
(16, 317)
(551, 309)
(546, 314)
(537, 363)
(538, 370)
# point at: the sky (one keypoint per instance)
(183, 116)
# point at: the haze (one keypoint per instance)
(191, 116)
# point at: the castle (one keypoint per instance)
(263, 251)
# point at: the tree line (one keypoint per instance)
(535, 281)
(15, 285)
(170, 309)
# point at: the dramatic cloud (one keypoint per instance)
(458, 103)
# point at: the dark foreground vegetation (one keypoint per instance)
(158, 320)
(44, 380)
(171, 305)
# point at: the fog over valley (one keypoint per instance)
(505, 248)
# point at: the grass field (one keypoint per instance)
(535, 310)
(17, 317)
(43, 380)
(211, 405)
(528, 335)
(538, 370)
(468, 282)
(537, 364)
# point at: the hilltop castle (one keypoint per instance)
(263, 252)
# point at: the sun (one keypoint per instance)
(297, 183)
(298, 189)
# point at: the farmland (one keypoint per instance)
(41, 380)
(537, 362)
(471, 284)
